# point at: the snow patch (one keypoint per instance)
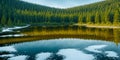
(22, 57)
(74, 54)
(43, 56)
(111, 54)
(95, 48)
(8, 49)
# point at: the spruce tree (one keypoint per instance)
(117, 18)
(3, 21)
(9, 22)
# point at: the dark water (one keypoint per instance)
(60, 43)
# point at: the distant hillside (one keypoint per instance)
(16, 12)
(104, 13)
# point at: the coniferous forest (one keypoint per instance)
(36, 31)
(17, 12)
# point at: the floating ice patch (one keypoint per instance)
(8, 49)
(6, 30)
(111, 54)
(6, 36)
(7, 55)
(73, 54)
(18, 35)
(95, 48)
(14, 35)
(18, 27)
(22, 57)
(11, 29)
(43, 56)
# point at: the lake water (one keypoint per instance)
(59, 43)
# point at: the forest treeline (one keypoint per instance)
(17, 12)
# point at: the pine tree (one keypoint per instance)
(88, 18)
(9, 23)
(80, 20)
(3, 21)
(117, 18)
(107, 18)
(97, 18)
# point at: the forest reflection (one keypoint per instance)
(39, 33)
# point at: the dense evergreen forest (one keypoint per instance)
(17, 12)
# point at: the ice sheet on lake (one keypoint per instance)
(7, 55)
(111, 54)
(8, 49)
(22, 57)
(95, 48)
(11, 29)
(43, 56)
(74, 54)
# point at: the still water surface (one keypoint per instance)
(60, 43)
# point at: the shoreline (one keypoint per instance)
(112, 27)
(98, 26)
(91, 26)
